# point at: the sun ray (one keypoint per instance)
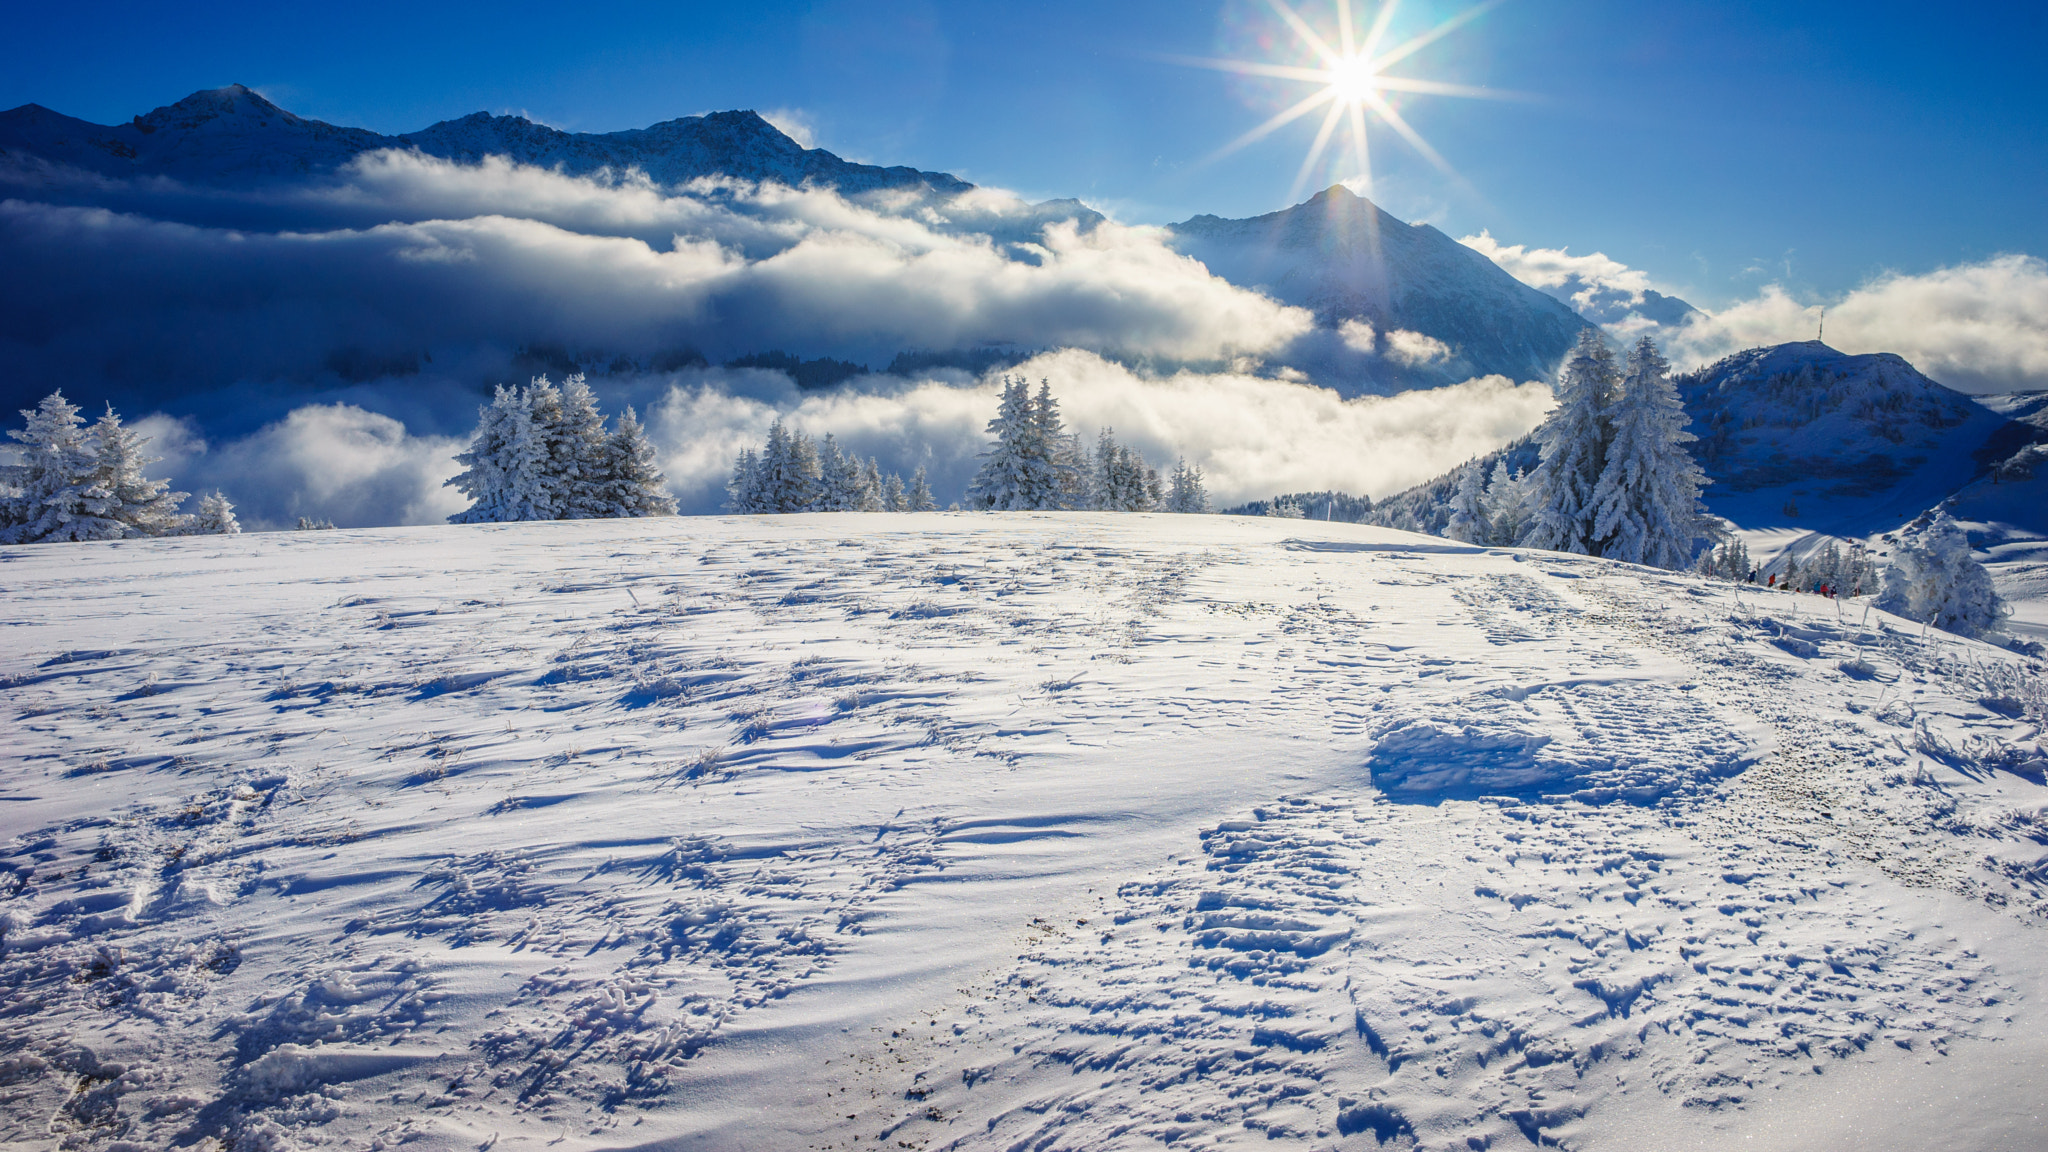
(1302, 29)
(1354, 82)
(1315, 151)
(1308, 104)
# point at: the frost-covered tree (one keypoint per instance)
(1506, 505)
(50, 493)
(893, 497)
(919, 498)
(1562, 517)
(1186, 492)
(1014, 472)
(629, 481)
(1647, 503)
(1075, 469)
(505, 467)
(1468, 520)
(1123, 481)
(577, 451)
(215, 517)
(743, 490)
(1056, 477)
(1933, 578)
(133, 503)
(873, 498)
(840, 487)
(789, 471)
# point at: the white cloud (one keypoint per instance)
(1415, 349)
(1980, 327)
(1600, 287)
(794, 123)
(1358, 336)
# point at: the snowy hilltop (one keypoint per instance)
(1047, 830)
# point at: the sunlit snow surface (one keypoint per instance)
(1021, 831)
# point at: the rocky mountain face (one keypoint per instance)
(233, 136)
(1344, 258)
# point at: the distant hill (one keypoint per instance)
(233, 136)
(1341, 256)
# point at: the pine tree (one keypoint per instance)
(1468, 508)
(630, 483)
(893, 497)
(505, 468)
(872, 496)
(840, 484)
(1506, 505)
(1647, 503)
(133, 503)
(789, 472)
(1933, 579)
(1186, 492)
(743, 491)
(216, 517)
(577, 450)
(1010, 476)
(1052, 480)
(1574, 439)
(52, 497)
(919, 497)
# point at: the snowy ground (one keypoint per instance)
(1022, 831)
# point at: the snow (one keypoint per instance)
(1053, 830)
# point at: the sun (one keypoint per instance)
(1351, 84)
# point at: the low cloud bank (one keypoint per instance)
(1253, 436)
(1979, 327)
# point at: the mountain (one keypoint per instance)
(233, 136)
(1801, 439)
(1344, 258)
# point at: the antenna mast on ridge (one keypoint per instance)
(1822, 336)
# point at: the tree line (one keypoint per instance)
(793, 473)
(542, 452)
(75, 482)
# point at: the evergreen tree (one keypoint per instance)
(630, 483)
(789, 472)
(1562, 517)
(1011, 475)
(133, 505)
(1647, 504)
(919, 497)
(1468, 508)
(893, 496)
(840, 485)
(505, 468)
(52, 495)
(1053, 477)
(578, 452)
(872, 497)
(1933, 579)
(1506, 505)
(743, 491)
(1186, 492)
(216, 517)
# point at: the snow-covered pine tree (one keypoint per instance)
(839, 478)
(135, 504)
(743, 490)
(1932, 578)
(1053, 480)
(1574, 453)
(505, 468)
(919, 498)
(1075, 472)
(630, 483)
(1186, 492)
(789, 472)
(1011, 476)
(215, 517)
(1647, 503)
(572, 429)
(872, 496)
(52, 496)
(893, 496)
(1468, 508)
(1506, 505)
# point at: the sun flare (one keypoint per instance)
(1351, 83)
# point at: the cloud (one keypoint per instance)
(1979, 327)
(1415, 349)
(1601, 288)
(794, 123)
(476, 261)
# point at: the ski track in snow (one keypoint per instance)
(513, 836)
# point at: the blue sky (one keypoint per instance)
(1717, 146)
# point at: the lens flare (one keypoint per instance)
(1352, 84)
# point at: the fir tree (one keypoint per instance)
(133, 504)
(1506, 505)
(1053, 477)
(789, 473)
(1010, 476)
(1574, 437)
(840, 486)
(1933, 579)
(872, 496)
(215, 517)
(577, 451)
(893, 496)
(1186, 492)
(630, 483)
(52, 497)
(743, 491)
(1468, 508)
(919, 498)
(505, 467)
(1647, 503)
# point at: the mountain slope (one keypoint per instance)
(232, 135)
(1081, 831)
(1343, 257)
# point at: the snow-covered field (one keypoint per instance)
(1074, 831)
